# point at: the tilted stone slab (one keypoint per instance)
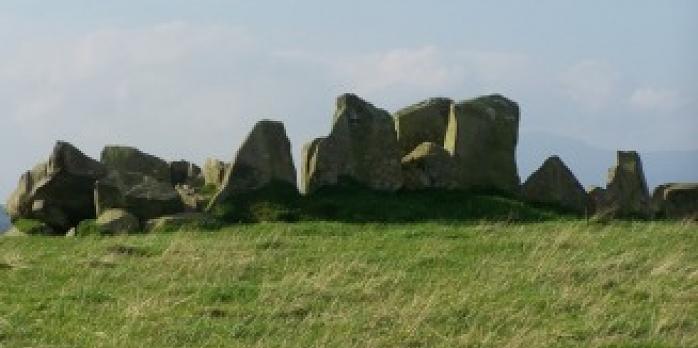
(429, 165)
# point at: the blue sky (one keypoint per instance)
(187, 79)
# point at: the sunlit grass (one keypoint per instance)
(308, 284)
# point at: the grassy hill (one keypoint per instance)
(308, 284)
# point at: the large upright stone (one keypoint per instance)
(428, 166)
(626, 193)
(264, 158)
(127, 159)
(676, 201)
(362, 147)
(214, 172)
(482, 135)
(425, 121)
(57, 192)
(553, 183)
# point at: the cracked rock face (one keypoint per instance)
(362, 147)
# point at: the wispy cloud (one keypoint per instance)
(655, 99)
(592, 84)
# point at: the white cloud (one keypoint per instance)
(655, 99)
(592, 84)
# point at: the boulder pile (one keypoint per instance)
(435, 144)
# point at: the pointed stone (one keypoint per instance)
(555, 184)
(264, 158)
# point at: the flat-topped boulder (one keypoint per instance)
(555, 184)
(425, 121)
(126, 159)
(263, 158)
(361, 147)
(57, 192)
(482, 135)
(626, 194)
(429, 165)
(676, 201)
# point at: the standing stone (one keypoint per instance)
(676, 201)
(425, 121)
(57, 192)
(184, 172)
(626, 193)
(214, 172)
(482, 135)
(555, 184)
(429, 166)
(264, 158)
(362, 147)
(127, 159)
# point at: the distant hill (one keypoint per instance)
(4, 220)
(590, 163)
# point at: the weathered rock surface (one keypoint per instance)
(125, 159)
(429, 166)
(362, 146)
(58, 192)
(264, 158)
(676, 201)
(214, 172)
(142, 195)
(554, 183)
(482, 135)
(117, 221)
(184, 172)
(425, 121)
(626, 193)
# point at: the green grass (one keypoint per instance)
(322, 284)
(350, 202)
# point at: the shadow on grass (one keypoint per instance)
(353, 203)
